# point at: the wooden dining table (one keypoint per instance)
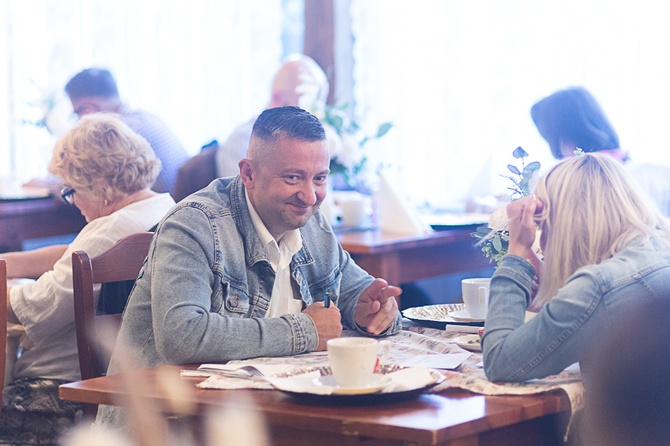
(404, 259)
(27, 219)
(452, 417)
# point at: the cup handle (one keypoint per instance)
(483, 295)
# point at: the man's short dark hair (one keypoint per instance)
(290, 122)
(92, 82)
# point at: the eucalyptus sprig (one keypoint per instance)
(495, 241)
(352, 161)
(521, 178)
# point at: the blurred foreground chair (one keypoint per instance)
(196, 173)
(122, 262)
(3, 325)
(627, 399)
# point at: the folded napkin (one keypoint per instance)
(225, 382)
(409, 379)
(303, 383)
(396, 213)
(462, 328)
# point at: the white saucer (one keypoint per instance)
(378, 383)
(469, 342)
(463, 316)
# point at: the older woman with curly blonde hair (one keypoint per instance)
(605, 247)
(108, 171)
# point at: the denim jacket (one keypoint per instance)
(582, 310)
(204, 292)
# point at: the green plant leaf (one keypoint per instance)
(519, 153)
(337, 122)
(497, 243)
(485, 230)
(531, 168)
(384, 129)
(515, 170)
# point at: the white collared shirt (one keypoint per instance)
(280, 254)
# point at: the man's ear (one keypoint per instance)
(247, 172)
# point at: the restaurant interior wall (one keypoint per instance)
(458, 79)
(457, 82)
(202, 66)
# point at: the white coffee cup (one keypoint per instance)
(353, 360)
(355, 210)
(476, 296)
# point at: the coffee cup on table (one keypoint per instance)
(355, 210)
(476, 296)
(353, 359)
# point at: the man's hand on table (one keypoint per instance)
(328, 322)
(377, 307)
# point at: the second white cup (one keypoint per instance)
(476, 296)
(353, 359)
(355, 210)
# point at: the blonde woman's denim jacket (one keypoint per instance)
(583, 310)
(204, 292)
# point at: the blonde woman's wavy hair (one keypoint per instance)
(592, 210)
(103, 157)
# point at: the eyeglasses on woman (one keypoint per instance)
(67, 194)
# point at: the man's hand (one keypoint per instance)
(377, 307)
(328, 322)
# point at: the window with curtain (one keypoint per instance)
(458, 79)
(202, 66)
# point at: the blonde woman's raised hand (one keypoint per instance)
(522, 230)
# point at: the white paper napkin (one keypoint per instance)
(303, 383)
(225, 382)
(449, 361)
(396, 213)
(409, 379)
(266, 369)
(462, 328)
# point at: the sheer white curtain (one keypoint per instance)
(203, 66)
(458, 78)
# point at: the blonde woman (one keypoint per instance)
(108, 171)
(604, 246)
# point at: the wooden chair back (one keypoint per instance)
(3, 325)
(196, 173)
(121, 262)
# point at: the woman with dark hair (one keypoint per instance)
(572, 118)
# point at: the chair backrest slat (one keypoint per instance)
(121, 262)
(3, 325)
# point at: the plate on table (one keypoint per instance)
(310, 385)
(438, 316)
(472, 343)
(444, 221)
(463, 316)
(378, 382)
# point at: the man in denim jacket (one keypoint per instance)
(241, 269)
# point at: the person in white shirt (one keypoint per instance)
(108, 170)
(300, 81)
